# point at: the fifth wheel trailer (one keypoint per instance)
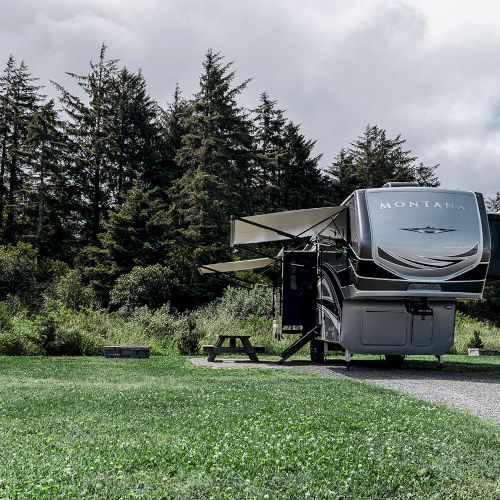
(379, 274)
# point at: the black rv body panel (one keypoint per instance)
(494, 269)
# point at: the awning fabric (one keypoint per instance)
(305, 223)
(239, 265)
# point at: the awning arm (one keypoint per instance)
(333, 217)
(230, 276)
(241, 247)
(335, 224)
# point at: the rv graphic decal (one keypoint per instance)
(417, 262)
(427, 230)
(417, 204)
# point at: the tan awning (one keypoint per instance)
(231, 267)
(303, 223)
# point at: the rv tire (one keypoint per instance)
(317, 351)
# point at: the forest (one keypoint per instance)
(109, 201)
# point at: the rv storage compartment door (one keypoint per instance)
(421, 332)
(384, 328)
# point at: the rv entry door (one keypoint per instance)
(299, 290)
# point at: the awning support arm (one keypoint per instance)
(333, 217)
(256, 252)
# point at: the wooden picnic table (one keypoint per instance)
(245, 348)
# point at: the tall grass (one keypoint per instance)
(61, 330)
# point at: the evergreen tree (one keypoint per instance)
(216, 157)
(270, 155)
(133, 133)
(493, 203)
(50, 216)
(173, 129)
(287, 175)
(88, 128)
(303, 184)
(19, 98)
(344, 180)
(133, 235)
(372, 160)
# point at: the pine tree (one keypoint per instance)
(493, 203)
(287, 175)
(372, 160)
(173, 120)
(132, 131)
(48, 221)
(216, 157)
(88, 128)
(270, 155)
(135, 234)
(303, 184)
(344, 180)
(19, 98)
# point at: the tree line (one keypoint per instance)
(108, 182)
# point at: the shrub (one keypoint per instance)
(72, 342)
(12, 344)
(188, 337)
(46, 332)
(18, 275)
(144, 286)
(475, 341)
(5, 318)
(71, 292)
(244, 302)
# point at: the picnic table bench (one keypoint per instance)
(245, 348)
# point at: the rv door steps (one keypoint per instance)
(300, 342)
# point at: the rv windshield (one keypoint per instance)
(425, 233)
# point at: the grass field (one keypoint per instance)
(83, 427)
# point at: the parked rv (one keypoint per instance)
(379, 274)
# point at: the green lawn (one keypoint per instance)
(73, 427)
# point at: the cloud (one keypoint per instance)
(423, 69)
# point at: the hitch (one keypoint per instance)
(418, 307)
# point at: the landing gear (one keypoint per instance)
(394, 361)
(348, 357)
(317, 351)
(440, 359)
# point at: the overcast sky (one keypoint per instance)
(427, 69)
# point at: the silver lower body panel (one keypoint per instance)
(388, 327)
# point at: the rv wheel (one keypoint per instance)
(317, 351)
(394, 361)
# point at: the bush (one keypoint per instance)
(12, 345)
(5, 318)
(18, 275)
(464, 330)
(72, 293)
(144, 286)
(46, 332)
(244, 302)
(188, 337)
(475, 341)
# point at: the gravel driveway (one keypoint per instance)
(471, 390)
